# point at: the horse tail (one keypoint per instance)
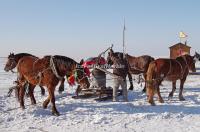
(151, 72)
(151, 81)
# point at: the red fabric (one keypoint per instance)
(93, 60)
(71, 80)
(87, 71)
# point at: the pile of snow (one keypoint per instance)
(90, 115)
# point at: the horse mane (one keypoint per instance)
(23, 54)
(181, 57)
(64, 61)
(20, 55)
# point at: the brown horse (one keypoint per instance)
(136, 65)
(12, 62)
(139, 65)
(171, 70)
(47, 72)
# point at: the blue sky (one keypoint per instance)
(83, 28)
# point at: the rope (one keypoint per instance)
(53, 68)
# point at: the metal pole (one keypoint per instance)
(124, 38)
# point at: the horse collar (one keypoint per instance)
(185, 62)
(53, 68)
(182, 72)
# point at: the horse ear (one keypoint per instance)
(111, 52)
(81, 62)
(195, 53)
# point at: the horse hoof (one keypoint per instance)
(56, 113)
(152, 103)
(23, 107)
(144, 90)
(169, 97)
(42, 93)
(33, 103)
(44, 106)
(161, 101)
(75, 97)
(182, 99)
(61, 89)
(131, 88)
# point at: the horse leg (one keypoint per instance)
(173, 90)
(150, 94)
(61, 87)
(144, 89)
(46, 102)
(115, 89)
(42, 90)
(181, 98)
(131, 81)
(78, 90)
(31, 88)
(21, 96)
(124, 90)
(17, 89)
(52, 98)
(158, 93)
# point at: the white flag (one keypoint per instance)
(182, 35)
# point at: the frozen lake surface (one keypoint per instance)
(78, 115)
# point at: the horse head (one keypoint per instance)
(11, 62)
(109, 60)
(80, 75)
(196, 56)
(190, 62)
(114, 56)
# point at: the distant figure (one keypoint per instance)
(120, 69)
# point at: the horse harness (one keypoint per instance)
(53, 68)
(130, 68)
(76, 76)
(182, 70)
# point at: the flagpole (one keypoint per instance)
(124, 38)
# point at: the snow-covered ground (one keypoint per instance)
(88, 115)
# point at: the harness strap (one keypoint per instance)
(170, 67)
(185, 62)
(76, 76)
(132, 67)
(53, 68)
(182, 71)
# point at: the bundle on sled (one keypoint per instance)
(98, 80)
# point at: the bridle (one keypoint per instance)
(76, 74)
(13, 63)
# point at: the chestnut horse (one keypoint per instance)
(12, 62)
(47, 71)
(136, 65)
(171, 70)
